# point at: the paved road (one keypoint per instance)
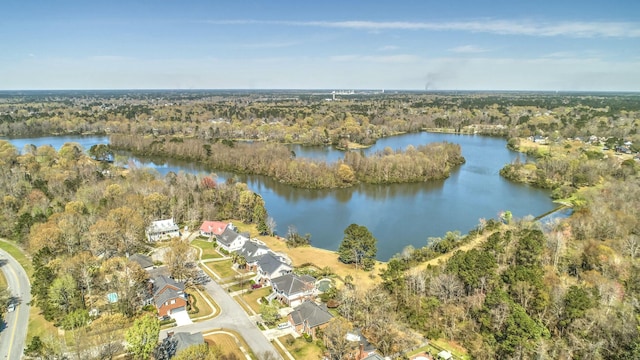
(232, 317)
(14, 331)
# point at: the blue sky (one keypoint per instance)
(443, 45)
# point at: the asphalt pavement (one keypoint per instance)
(231, 317)
(14, 330)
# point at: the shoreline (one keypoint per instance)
(317, 257)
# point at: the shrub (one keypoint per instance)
(167, 322)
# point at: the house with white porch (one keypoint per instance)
(162, 230)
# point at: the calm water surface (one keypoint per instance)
(398, 215)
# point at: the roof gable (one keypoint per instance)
(311, 313)
(162, 281)
(269, 263)
(252, 250)
(228, 236)
(163, 225)
(165, 296)
(215, 227)
(290, 284)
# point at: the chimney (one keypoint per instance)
(361, 353)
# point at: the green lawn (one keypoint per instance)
(222, 268)
(203, 307)
(301, 349)
(252, 297)
(208, 252)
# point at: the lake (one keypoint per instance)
(398, 215)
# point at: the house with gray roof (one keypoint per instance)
(145, 261)
(307, 317)
(270, 266)
(184, 340)
(292, 289)
(230, 240)
(252, 250)
(168, 295)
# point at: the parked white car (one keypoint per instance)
(11, 307)
(284, 325)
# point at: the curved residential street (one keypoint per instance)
(14, 329)
(231, 317)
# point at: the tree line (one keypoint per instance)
(307, 119)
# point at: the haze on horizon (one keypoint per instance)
(405, 45)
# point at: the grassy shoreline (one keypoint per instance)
(320, 258)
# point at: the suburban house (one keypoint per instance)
(270, 266)
(214, 228)
(364, 348)
(251, 251)
(184, 340)
(168, 295)
(145, 261)
(292, 289)
(230, 240)
(162, 230)
(307, 317)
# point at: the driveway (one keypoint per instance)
(181, 317)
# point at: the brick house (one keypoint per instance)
(168, 295)
(307, 317)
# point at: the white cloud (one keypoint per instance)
(108, 58)
(388, 59)
(388, 48)
(468, 49)
(577, 29)
(268, 45)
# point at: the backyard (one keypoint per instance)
(301, 349)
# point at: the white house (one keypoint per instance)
(162, 230)
(230, 240)
(271, 266)
(292, 289)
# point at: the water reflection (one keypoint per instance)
(398, 215)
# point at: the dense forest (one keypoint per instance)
(80, 219)
(562, 290)
(426, 162)
(307, 118)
